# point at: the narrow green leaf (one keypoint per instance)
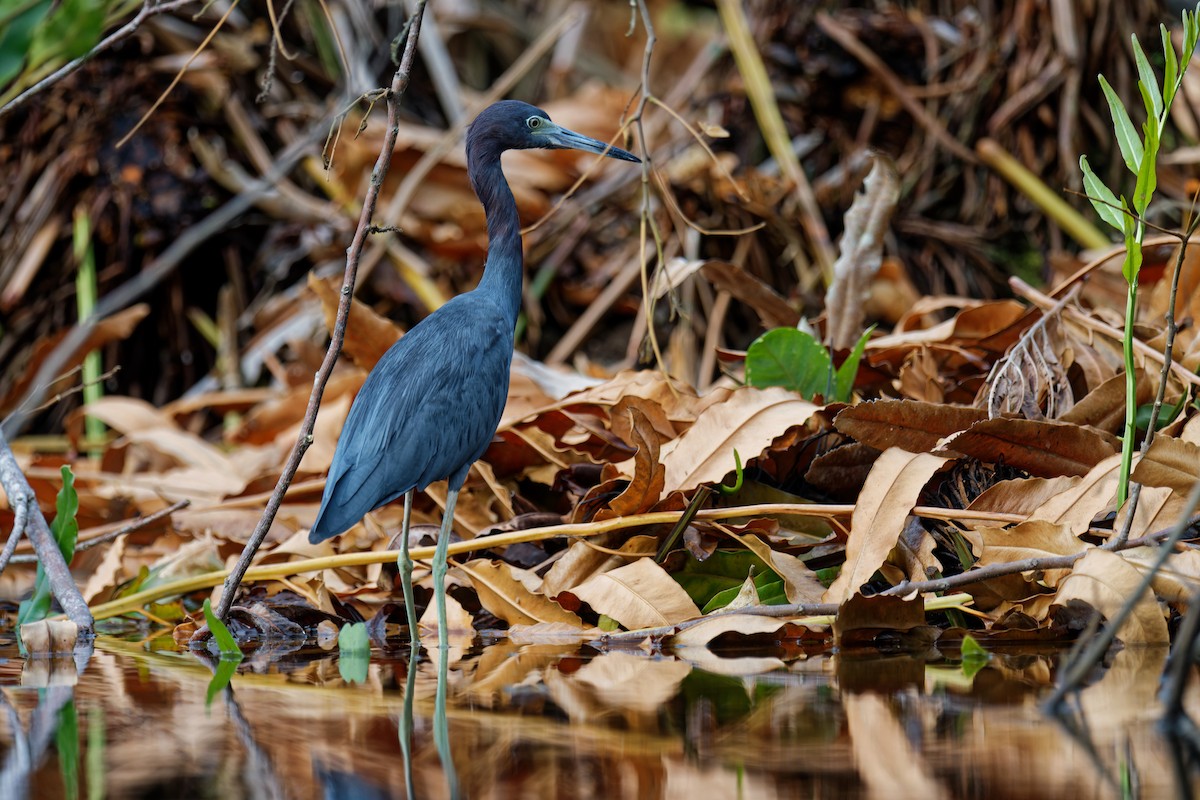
(1127, 136)
(65, 530)
(1103, 200)
(1148, 81)
(1170, 67)
(1147, 176)
(1133, 260)
(226, 644)
(848, 371)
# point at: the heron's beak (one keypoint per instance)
(565, 139)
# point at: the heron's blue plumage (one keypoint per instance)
(430, 407)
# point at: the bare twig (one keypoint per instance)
(1080, 666)
(1009, 568)
(304, 440)
(134, 525)
(149, 9)
(20, 496)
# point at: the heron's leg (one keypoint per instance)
(405, 563)
(440, 558)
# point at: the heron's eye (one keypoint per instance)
(534, 123)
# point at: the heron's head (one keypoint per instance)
(513, 125)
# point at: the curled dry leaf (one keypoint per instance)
(581, 562)
(747, 421)
(1093, 495)
(638, 595)
(1033, 539)
(503, 594)
(889, 495)
(861, 254)
(1104, 581)
(1172, 463)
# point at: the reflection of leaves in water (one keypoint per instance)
(726, 695)
(226, 668)
(974, 657)
(66, 739)
(355, 649)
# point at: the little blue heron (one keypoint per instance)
(430, 407)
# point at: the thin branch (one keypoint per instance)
(133, 525)
(1079, 667)
(149, 9)
(21, 496)
(353, 254)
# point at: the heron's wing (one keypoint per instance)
(426, 412)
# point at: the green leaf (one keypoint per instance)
(65, 530)
(1127, 137)
(1101, 196)
(843, 382)
(16, 34)
(353, 641)
(738, 474)
(1148, 81)
(1133, 260)
(1147, 176)
(723, 571)
(226, 644)
(789, 358)
(1170, 67)
(354, 645)
(974, 657)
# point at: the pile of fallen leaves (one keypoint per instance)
(980, 445)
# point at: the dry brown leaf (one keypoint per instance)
(1173, 463)
(889, 495)
(747, 421)
(1103, 408)
(645, 488)
(1021, 495)
(799, 582)
(1104, 580)
(1176, 581)
(1033, 539)
(504, 595)
(773, 310)
(1095, 494)
(1158, 509)
(704, 632)
(638, 595)
(368, 335)
(1044, 448)
(581, 562)
(913, 425)
(861, 253)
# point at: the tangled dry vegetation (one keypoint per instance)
(978, 459)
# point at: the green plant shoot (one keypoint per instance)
(1140, 153)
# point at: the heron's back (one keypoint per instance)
(426, 412)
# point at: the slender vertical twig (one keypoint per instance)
(304, 440)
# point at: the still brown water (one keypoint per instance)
(558, 721)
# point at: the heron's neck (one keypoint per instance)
(504, 270)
